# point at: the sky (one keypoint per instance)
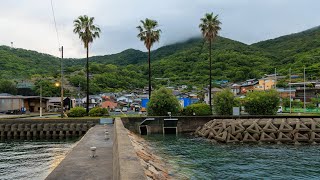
(29, 24)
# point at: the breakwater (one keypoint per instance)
(44, 128)
(269, 130)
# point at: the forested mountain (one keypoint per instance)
(184, 62)
(295, 51)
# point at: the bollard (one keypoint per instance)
(93, 151)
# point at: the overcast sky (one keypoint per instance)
(29, 23)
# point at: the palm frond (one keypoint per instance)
(87, 31)
(148, 32)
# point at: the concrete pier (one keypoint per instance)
(79, 164)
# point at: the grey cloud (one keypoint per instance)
(29, 23)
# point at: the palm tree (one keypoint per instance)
(149, 35)
(87, 31)
(210, 26)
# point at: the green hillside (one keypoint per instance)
(184, 63)
(295, 51)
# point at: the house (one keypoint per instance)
(94, 101)
(213, 92)
(285, 93)
(9, 102)
(109, 102)
(126, 98)
(54, 104)
(69, 103)
(32, 103)
(248, 86)
(309, 93)
(236, 89)
(269, 82)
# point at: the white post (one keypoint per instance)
(290, 88)
(304, 89)
(40, 100)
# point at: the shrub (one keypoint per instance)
(200, 109)
(98, 111)
(310, 106)
(161, 102)
(223, 102)
(77, 112)
(262, 102)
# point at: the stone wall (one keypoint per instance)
(268, 130)
(154, 167)
(126, 164)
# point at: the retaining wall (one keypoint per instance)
(126, 164)
(187, 124)
(44, 128)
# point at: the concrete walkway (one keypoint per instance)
(79, 165)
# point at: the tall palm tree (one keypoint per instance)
(149, 35)
(87, 31)
(210, 26)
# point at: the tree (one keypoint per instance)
(262, 102)
(210, 26)
(87, 31)
(198, 109)
(7, 86)
(223, 102)
(161, 102)
(149, 35)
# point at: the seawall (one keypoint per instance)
(126, 164)
(44, 128)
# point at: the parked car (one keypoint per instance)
(124, 109)
(280, 109)
(117, 110)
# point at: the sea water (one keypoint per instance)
(31, 159)
(195, 158)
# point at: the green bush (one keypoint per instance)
(199, 110)
(223, 102)
(98, 111)
(161, 102)
(310, 106)
(262, 102)
(77, 112)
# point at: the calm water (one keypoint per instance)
(194, 158)
(31, 159)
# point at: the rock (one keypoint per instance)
(158, 167)
(148, 173)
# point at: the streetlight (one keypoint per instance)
(57, 84)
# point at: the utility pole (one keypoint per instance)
(275, 78)
(79, 93)
(290, 88)
(61, 65)
(40, 100)
(304, 89)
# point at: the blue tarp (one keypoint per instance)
(184, 102)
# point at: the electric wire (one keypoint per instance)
(55, 24)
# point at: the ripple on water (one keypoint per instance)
(194, 158)
(31, 159)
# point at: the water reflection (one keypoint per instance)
(31, 159)
(195, 158)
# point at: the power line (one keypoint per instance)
(55, 24)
